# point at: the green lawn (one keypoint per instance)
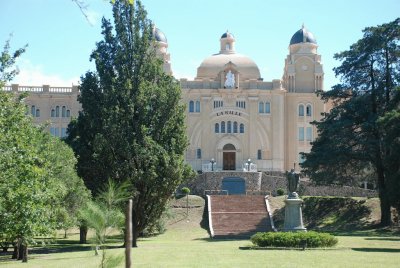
(186, 244)
(192, 248)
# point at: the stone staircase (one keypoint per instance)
(238, 215)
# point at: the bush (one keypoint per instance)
(185, 190)
(280, 192)
(294, 239)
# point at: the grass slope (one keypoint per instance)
(332, 214)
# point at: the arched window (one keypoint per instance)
(261, 107)
(63, 111)
(308, 110)
(33, 110)
(57, 111)
(229, 127)
(241, 128)
(259, 154)
(301, 110)
(191, 107)
(197, 106)
(223, 127)
(68, 113)
(198, 153)
(267, 108)
(227, 47)
(216, 128)
(53, 113)
(37, 112)
(235, 127)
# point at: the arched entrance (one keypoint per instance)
(234, 185)
(229, 157)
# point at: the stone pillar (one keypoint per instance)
(293, 215)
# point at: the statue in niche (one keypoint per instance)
(230, 80)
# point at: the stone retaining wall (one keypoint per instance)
(268, 183)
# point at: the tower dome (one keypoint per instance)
(302, 36)
(159, 35)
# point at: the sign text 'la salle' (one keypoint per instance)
(229, 113)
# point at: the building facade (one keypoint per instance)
(235, 120)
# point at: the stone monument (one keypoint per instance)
(293, 214)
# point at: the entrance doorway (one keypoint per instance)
(229, 157)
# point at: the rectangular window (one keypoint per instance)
(261, 107)
(63, 132)
(259, 154)
(309, 133)
(52, 131)
(198, 152)
(301, 133)
(267, 108)
(218, 103)
(241, 104)
(56, 132)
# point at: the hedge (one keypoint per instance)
(294, 239)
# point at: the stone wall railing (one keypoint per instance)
(41, 89)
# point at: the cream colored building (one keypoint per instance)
(235, 120)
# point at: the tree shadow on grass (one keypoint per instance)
(388, 250)
(383, 238)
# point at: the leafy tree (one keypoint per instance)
(351, 140)
(36, 170)
(131, 126)
(7, 63)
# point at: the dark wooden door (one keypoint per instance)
(229, 162)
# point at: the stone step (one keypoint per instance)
(238, 215)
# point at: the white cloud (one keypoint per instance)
(34, 75)
(178, 75)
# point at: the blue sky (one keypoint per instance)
(60, 39)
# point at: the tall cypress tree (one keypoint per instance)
(351, 140)
(131, 126)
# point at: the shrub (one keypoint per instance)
(280, 192)
(185, 190)
(294, 239)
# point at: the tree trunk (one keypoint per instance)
(5, 248)
(135, 229)
(83, 229)
(15, 254)
(24, 253)
(386, 218)
(20, 251)
(65, 233)
(135, 235)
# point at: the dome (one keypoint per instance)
(302, 36)
(213, 65)
(159, 35)
(227, 34)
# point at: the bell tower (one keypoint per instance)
(162, 46)
(303, 72)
